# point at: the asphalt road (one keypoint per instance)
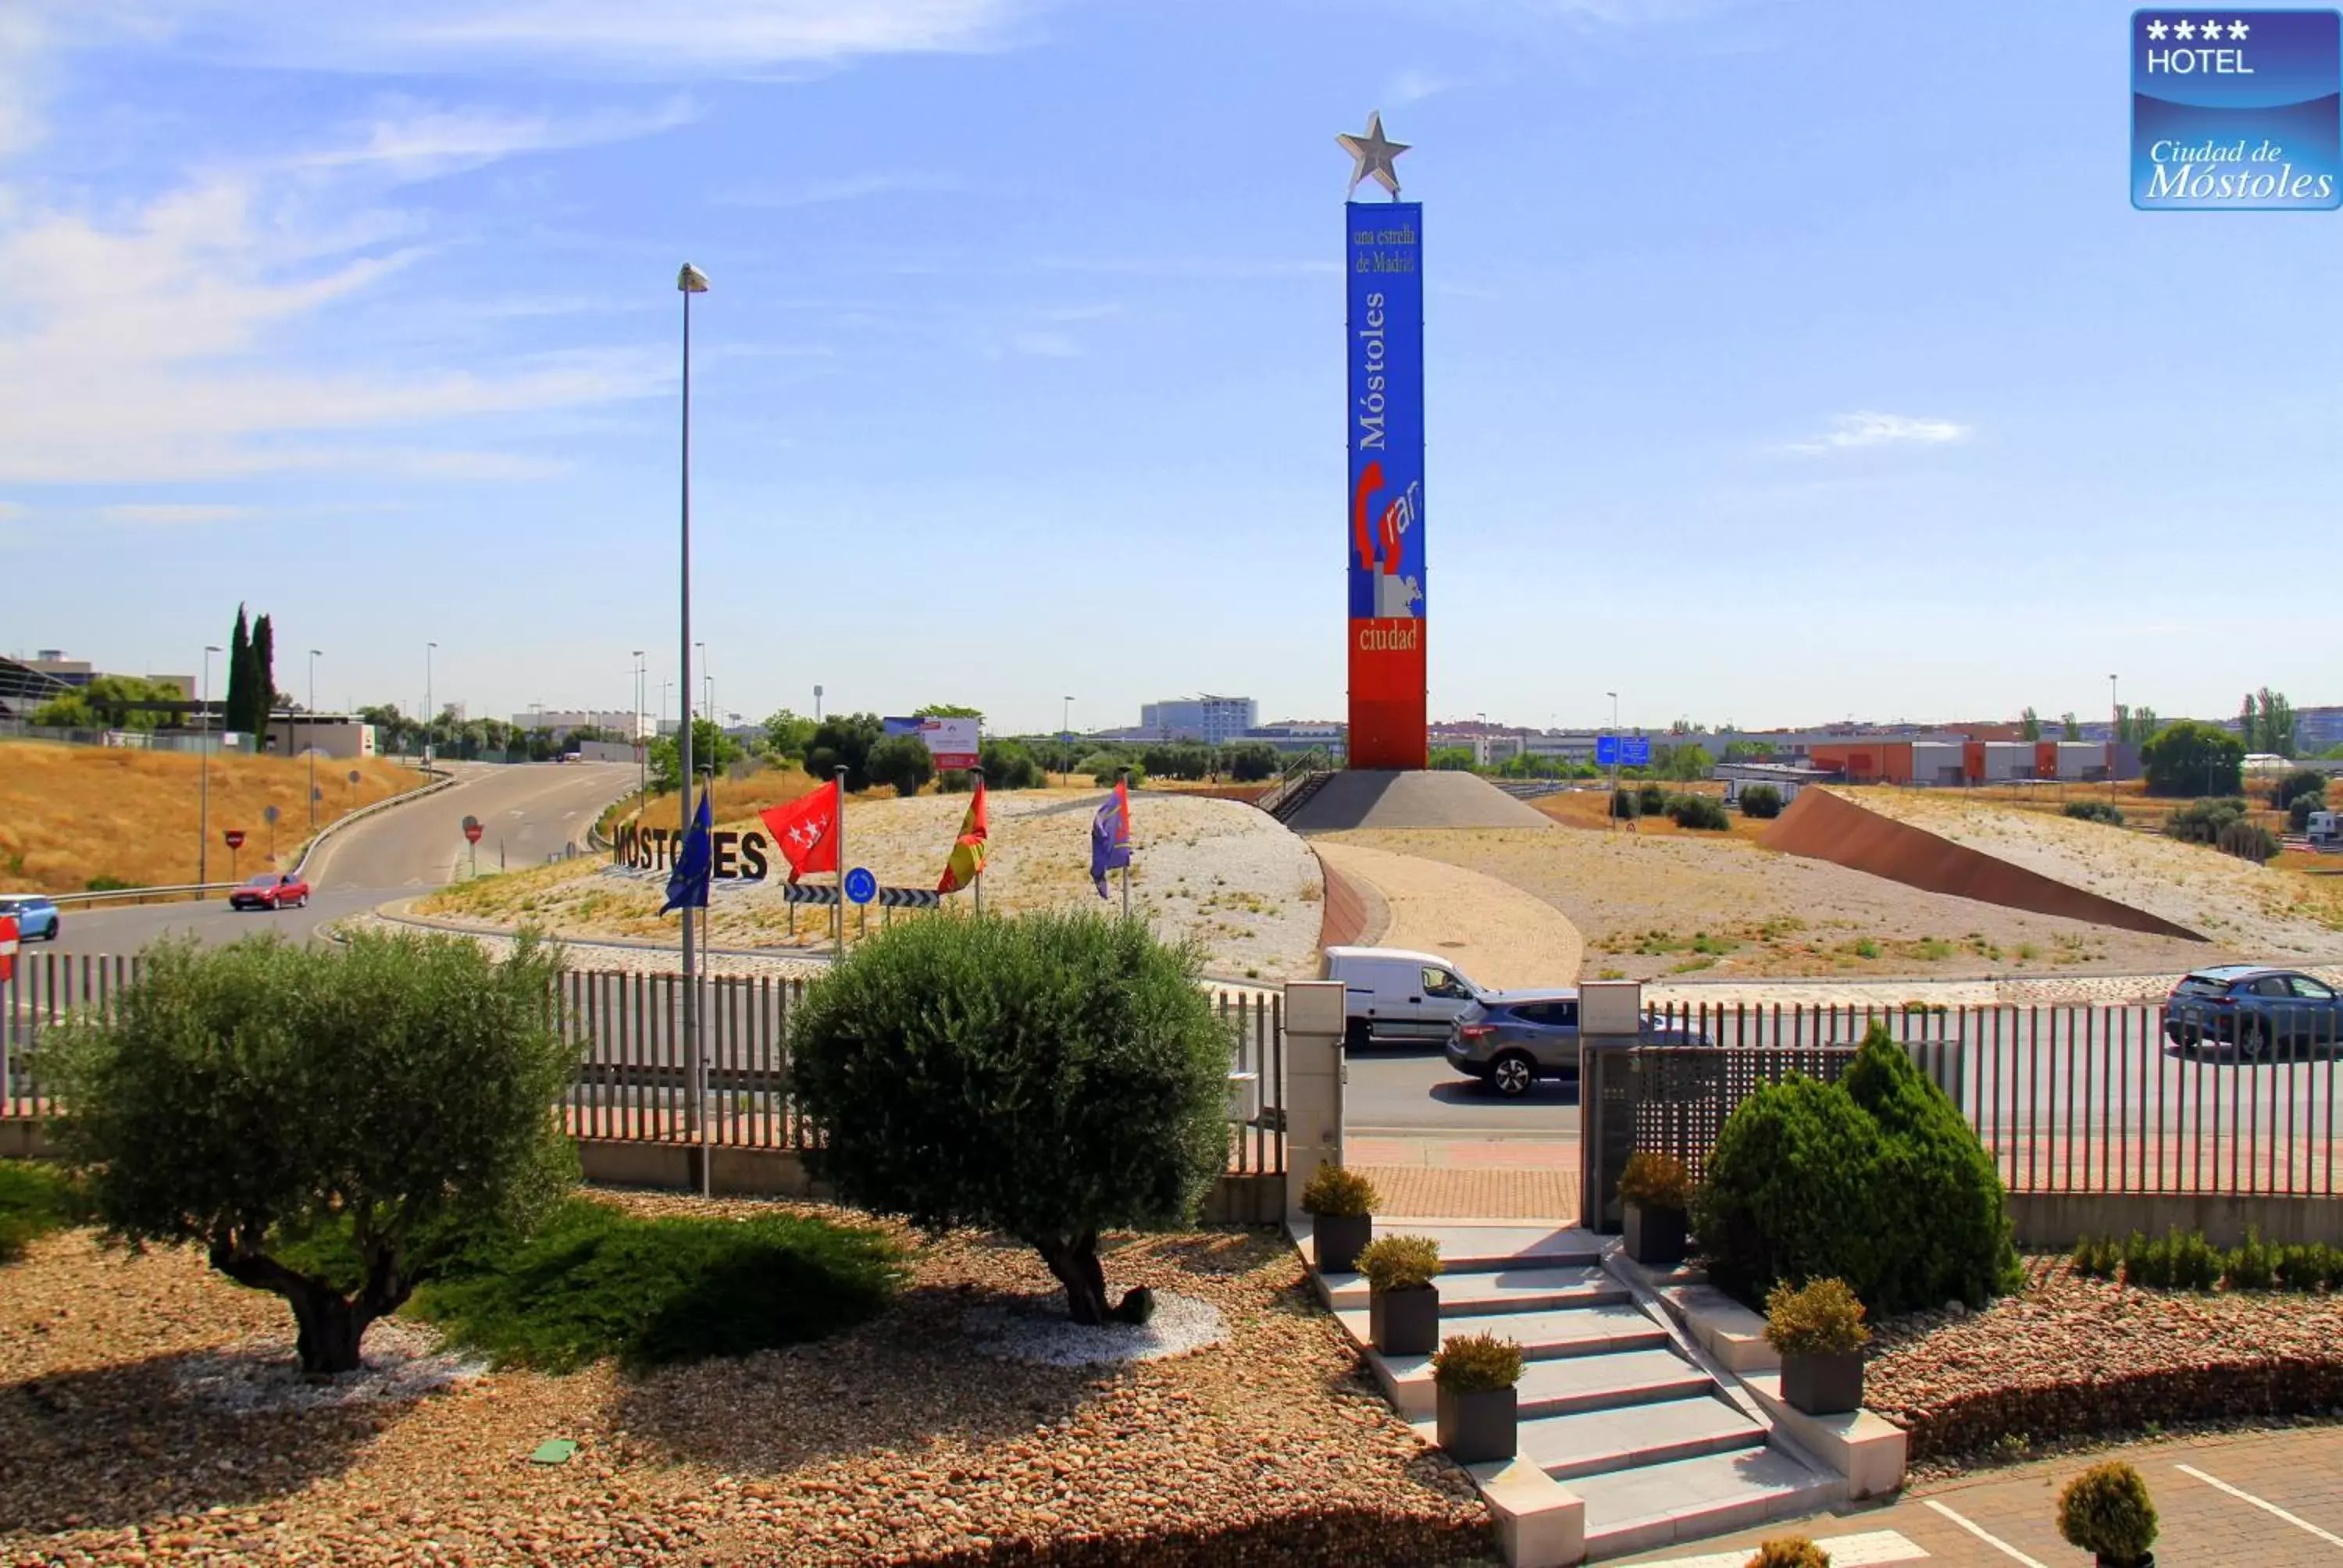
(1416, 1092)
(529, 810)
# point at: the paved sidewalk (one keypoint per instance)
(1470, 1179)
(2272, 1500)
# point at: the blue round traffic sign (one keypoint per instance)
(862, 886)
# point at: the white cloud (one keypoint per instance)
(21, 79)
(1414, 86)
(848, 187)
(603, 37)
(1852, 431)
(422, 142)
(173, 512)
(1046, 344)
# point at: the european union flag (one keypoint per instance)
(687, 885)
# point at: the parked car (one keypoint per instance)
(270, 890)
(35, 913)
(1510, 1040)
(1395, 995)
(2254, 1008)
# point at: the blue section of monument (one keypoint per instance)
(862, 886)
(1383, 245)
(2241, 111)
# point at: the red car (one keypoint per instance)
(270, 890)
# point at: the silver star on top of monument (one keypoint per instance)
(1373, 156)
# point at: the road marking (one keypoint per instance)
(2243, 1496)
(1865, 1551)
(1995, 1541)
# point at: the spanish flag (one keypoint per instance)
(966, 862)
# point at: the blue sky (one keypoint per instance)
(1785, 361)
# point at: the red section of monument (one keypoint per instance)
(1387, 694)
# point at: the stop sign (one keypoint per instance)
(235, 838)
(472, 831)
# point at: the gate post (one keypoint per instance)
(1610, 1023)
(1315, 1076)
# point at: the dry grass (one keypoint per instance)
(69, 813)
(1590, 808)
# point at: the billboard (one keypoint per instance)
(1384, 543)
(952, 742)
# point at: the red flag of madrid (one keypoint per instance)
(805, 831)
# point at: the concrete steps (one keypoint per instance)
(1650, 1506)
(1600, 1440)
(1483, 1292)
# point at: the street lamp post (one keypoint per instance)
(313, 655)
(1612, 817)
(1066, 739)
(2115, 734)
(817, 704)
(429, 712)
(642, 750)
(204, 763)
(689, 281)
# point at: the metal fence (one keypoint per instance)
(2065, 1099)
(635, 1079)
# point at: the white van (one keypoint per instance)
(1395, 996)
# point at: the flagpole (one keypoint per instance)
(842, 862)
(1123, 779)
(688, 282)
(977, 881)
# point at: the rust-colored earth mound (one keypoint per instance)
(1823, 826)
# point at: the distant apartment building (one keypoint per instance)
(625, 723)
(1215, 721)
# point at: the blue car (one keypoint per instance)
(2255, 1009)
(36, 915)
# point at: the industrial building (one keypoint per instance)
(1215, 721)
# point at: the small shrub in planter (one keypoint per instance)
(1473, 1378)
(1656, 1190)
(2107, 1512)
(1403, 1303)
(1340, 1205)
(1819, 1330)
(1789, 1551)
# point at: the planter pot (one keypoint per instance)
(1338, 1238)
(1478, 1427)
(1404, 1322)
(1823, 1384)
(1654, 1235)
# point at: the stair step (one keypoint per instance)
(1615, 1381)
(1486, 1249)
(1503, 1291)
(1602, 1330)
(1598, 1441)
(1632, 1510)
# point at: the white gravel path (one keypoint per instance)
(1037, 1330)
(404, 1363)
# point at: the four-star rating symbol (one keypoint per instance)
(2210, 30)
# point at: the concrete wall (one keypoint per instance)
(2053, 1220)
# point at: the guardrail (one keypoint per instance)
(199, 890)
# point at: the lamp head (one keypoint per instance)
(691, 281)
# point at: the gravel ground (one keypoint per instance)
(1220, 871)
(2071, 1356)
(899, 1442)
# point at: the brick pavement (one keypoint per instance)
(2299, 1470)
(1470, 1179)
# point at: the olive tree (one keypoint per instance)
(248, 1097)
(1050, 1077)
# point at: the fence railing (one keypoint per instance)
(2100, 1099)
(636, 1080)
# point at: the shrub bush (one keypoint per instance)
(2105, 1510)
(1250, 761)
(35, 1198)
(2186, 757)
(104, 884)
(1788, 1552)
(2176, 1260)
(1820, 1318)
(242, 1097)
(2252, 1264)
(1626, 805)
(1701, 811)
(1877, 1180)
(1651, 800)
(2297, 814)
(2105, 811)
(1399, 1262)
(2248, 841)
(2300, 783)
(2201, 821)
(902, 762)
(1335, 1193)
(599, 1281)
(1051, 1076)
(1655, 1181)
(1761, 800)
(1475, 1363)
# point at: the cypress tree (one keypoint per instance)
(264, 673)
(239, 675)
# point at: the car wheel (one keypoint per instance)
(1512, 1073)
(56, 928)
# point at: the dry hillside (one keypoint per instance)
(71, 813)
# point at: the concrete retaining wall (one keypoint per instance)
(2052, 1221)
